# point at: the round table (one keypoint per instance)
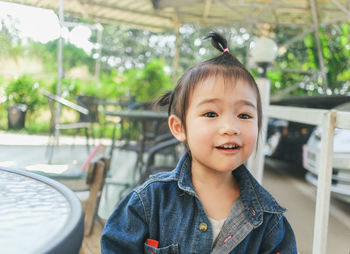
(38, 215)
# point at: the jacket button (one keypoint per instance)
(203, 227)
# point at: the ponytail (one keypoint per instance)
(166, 99)
(218, 41)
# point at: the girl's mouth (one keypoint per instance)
(228, 147)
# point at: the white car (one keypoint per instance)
(341, 159)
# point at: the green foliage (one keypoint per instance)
(10, 45)
(72, 87)
(42, 52)
(149, 83)
(23, 90)
(302, 55)
(108, 87)
(131, 65)
(69, 87)
(124, 48)
(72, 56)
(111, 85)
(336, 54)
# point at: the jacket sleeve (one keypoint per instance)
(127, 228)
(279, 237)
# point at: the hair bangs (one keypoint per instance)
(230, 75)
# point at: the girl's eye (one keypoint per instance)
(210, 114)
(244, 116)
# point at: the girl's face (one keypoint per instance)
(221, 124)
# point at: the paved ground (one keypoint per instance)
(283, 180)
(288, 186)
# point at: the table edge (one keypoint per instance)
(74, 226)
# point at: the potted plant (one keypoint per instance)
(21, 96)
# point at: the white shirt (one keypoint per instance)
(217, 226)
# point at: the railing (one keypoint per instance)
(329, 119)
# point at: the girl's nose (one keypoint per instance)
(230, 127)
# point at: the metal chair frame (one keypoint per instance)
(53, 138)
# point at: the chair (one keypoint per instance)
(96, 176)
(126, 125)
(147, 130)
(55, 126)
(130, 129)
(91, 103)
(169, 146)
(88, 184)
(164, 147)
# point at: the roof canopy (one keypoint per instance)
(165, 15)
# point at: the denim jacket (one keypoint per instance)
(166, 208)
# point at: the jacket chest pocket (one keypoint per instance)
(171, 249)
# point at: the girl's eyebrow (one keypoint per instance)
(209, 100)
(242, 102)
(247, 103)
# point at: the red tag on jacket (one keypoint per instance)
(153, 243)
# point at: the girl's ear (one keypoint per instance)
(176, 128)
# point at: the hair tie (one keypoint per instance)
(225, 50)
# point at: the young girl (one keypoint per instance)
(209, 203)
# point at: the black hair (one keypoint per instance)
(225, 65)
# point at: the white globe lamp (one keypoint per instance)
(263, 53)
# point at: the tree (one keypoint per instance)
(124, 48)
(302, 55)
(10, 43)
(72, 55)
(148, 83)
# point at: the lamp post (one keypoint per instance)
(263, 53)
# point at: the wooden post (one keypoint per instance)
(95, 180)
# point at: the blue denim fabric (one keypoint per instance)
(167, 209)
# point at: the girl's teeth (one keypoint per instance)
(229, 146)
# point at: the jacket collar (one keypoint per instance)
(181, 174)
(256, 200)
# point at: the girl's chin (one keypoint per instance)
(226, 168)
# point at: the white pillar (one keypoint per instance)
(324, 184)
(313, 5)
(256, 160)
(99, 28)
(177, 49)
(59, 69)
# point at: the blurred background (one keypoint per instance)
(126, 62)
(126, 57)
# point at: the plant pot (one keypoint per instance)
(16, 116)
